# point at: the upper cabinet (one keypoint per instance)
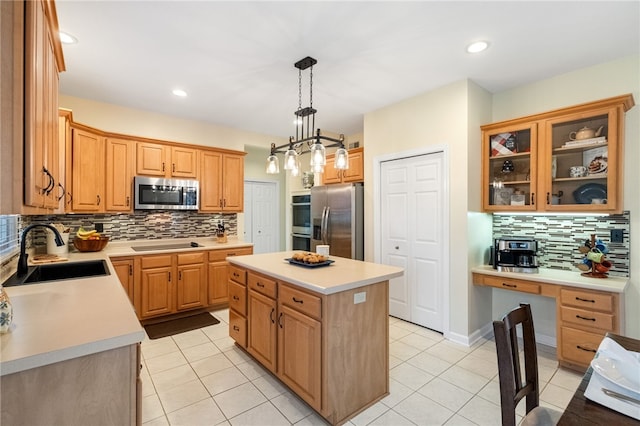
(87, 169)
(355, 172)
(43, 62)
(221, 182)
(160, 160)
(119, 174)
(567, 160)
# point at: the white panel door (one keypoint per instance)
(412, 222)
(261, 216)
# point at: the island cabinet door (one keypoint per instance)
(262, 329)
(299, 354)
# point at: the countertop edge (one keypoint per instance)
(561, 277)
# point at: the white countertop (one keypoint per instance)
(561, 277)
(59, 320)
(343, 274)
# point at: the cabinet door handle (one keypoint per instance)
(220, 202)
(163, 166)
(130, 270)
(236, 328)
(582, 348)
(63, 191)
(300, 301)
(98, 198)
(585, 300)
(70, 197)
(273, 311)
(51, 183)
(179, 275)
(585, 318)
(224, 202)
(280, 320)
(236, 298)
(173, 168)
(533, 199)
(509, 285)
(169, 276)
(128, 201)
(259, 284)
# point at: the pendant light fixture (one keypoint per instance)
(305, 140)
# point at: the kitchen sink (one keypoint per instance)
(60, 271)
(166, 247)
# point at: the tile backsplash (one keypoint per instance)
(560, 236)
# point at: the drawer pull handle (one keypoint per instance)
(585, 318)
(236, 328)
(235, 274)
(585, 349)
(585, 300)
(273, 320)
(231, 254)
(236, 298)
(509, 285)
(301, 301)
(259, 284)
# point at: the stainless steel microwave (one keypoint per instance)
(165, 194)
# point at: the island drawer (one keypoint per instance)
(238, 275)
(190, 258)
(263, 285)
(238, 297)
(586, 318)
(512, 284)
(301, 301)
(587, 299)
(238, 328)
(222, 254)
(579, 346)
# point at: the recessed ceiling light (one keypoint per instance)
(67, 38)
(477, 46)
(180, 92)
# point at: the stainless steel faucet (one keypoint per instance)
(22, 260)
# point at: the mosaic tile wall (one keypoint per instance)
(140, 225)
(560, 236)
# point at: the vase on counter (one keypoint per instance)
(6, 311)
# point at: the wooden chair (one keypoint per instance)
(512, 389)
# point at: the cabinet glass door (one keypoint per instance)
(581, 155)
(510, 170)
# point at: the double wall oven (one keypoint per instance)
(301, 221)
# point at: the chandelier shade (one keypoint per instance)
(305, 139)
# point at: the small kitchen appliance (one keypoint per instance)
(516, 255)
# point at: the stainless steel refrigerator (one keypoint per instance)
(337, 219)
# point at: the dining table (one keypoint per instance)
(582, 411)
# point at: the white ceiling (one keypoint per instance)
(235, 58)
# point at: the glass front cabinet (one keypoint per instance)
(567, 160)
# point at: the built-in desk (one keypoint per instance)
(586, 308)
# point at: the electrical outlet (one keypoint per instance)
(617, 236)
(359, 297)
(99, 227)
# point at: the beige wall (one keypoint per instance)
(438, 118)
(585, 85)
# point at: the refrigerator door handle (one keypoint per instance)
(325, 226)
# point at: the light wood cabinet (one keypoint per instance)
(124, 270)
(219, 273)
(171, 283)
(355, 172)
(87, 159)
(64, 145)
(262, 328)
(583, 317)
(42, 63)
(221, 182)
(119, 175)
(526, 162)
(238, 305)
(155, 159)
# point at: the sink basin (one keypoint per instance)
(60, 271)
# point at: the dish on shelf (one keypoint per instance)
(597, 165)
(589, 191)
(309, 265)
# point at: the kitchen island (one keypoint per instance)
(323, 331)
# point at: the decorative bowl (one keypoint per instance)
(90, 244)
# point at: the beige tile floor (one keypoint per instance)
(201, 378)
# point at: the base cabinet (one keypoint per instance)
(219, 273)
(331, 352)
(124, 270)
(96, 389)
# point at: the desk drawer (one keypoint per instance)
(238, 328)
(579, 346)
(587, 299)
(238, 297)
(586, 318)
(301, 301)
(512, 284)
(263, 285)
(238, 275)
